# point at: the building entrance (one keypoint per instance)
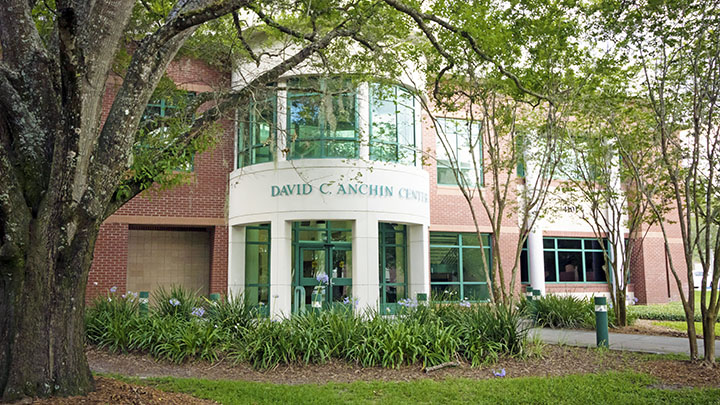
(322, 264)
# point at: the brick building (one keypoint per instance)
(306, 190)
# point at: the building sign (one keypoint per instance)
(340, 189)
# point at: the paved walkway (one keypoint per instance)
(621, 341)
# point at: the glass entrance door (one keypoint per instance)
(332, 279)
(322, 264)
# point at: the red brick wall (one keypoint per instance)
(109, 266)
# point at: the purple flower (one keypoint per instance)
(408, 303)
(322, 278)
(174, 302)
(113, 289)
(198, 311)
(465, 303)
(500, 373)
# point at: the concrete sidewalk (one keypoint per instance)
(621, 341)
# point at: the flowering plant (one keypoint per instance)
(322, 278)
(174, 302)
(198, 311)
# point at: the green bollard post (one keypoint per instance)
(143, 300)
(601, 322)
(215, 297)
(421, 297)
(528, 293)
(536, 295)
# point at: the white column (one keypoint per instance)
(280, 269)
(536, 261)
(282, 115)
(236, 261)
(363, 103)
(418, 260)
(365, 276)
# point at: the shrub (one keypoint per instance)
(556, 311)
(178, 302)
(427, 334)
(110, 319)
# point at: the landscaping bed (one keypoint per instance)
(668, 374)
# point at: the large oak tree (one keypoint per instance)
(64, 168)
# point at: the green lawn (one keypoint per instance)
(621, 388)
(682, 326)
(672, 311)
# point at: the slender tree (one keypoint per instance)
(677, 47)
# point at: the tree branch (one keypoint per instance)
(420, 19)
(226, 103)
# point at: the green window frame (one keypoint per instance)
(524, 264)
(571, 260)
(322, 124)
(393, 266)
(161, 108)
(455, 273)
(256, 136)
(465, 143)
(392, 125)
(257, 257)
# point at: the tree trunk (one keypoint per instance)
(42, 333)
(708, 323)
(692, 334)
(621, 309)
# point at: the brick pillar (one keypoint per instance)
(219, 260)
(109, 266)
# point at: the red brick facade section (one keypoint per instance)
(200, 203)
(109, 267)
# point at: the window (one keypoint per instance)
(456, 266)
(392, 125)
(256, 133)
(257, 267)
(393, 266)
(155, 132)
(465, 149)
(524, 264)
(573, 260)
(322, 124)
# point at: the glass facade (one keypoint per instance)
(456, 266)
(256, 133)
(392, 125)
(257, 266)
(573, 260)
(392, 265)
(464, 149)
(322, 119)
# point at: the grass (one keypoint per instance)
(672, 311)
(614, 387)
(682, 326)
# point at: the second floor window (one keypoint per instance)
(463, 154)
(392, 125)
(256, 133)
(322, 118)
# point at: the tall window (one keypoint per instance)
(256, 133)
(573, 260)
(322, 118)
(465, 148)
(392, 125)
(456, 267)
(524, 264)
(257, 266)
(393, 266)
(156, 130)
